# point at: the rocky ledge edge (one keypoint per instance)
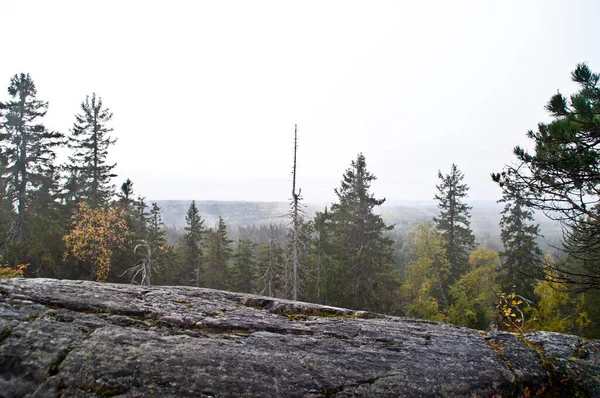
(85, 339)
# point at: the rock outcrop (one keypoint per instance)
(85, 339)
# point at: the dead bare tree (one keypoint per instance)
(296, 243)
(144, 267)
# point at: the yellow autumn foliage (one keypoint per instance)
(7, 271)
(96, 231)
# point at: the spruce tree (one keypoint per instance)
(217, 254)
(28, 151)
(191, 243)
(521, 258)
(90, 141)
(361, 276)
(454, 220)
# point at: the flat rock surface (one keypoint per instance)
(85, 339)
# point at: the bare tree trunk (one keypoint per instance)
(295, 224)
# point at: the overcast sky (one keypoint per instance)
(205, 95)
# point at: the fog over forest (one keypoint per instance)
(402, 214)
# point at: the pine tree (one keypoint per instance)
(28, 149)
(217, 254)
(361, 274)
(454, 220)
(90, 141)
(560, 177)
(521, 258)
(243, 271)
(191, 243)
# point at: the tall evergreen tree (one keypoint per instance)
(217, 254)
(28, 150)
(521, 258)
(454, 220)
(90, 141)
(362, 274)
(191, 243)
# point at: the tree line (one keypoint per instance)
(70, 221)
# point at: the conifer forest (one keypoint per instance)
(77, 219)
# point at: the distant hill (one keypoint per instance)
(484, 221)
(234, 213)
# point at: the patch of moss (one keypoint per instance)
(498, 347)
(301, 316)
(243, 332)
(296, 316)
(108, 392)
(31, 318)
(334, 390)
(59, 318)
(183, 302)
(335, 315)
(5, 335)
(559, 387)
(61, 357)
(99, 312)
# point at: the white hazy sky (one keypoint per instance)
(205, 95)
